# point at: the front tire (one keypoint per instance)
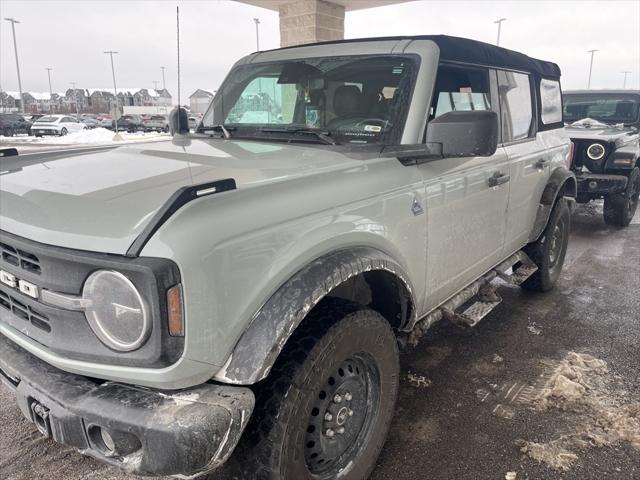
(619, 209)
(549, 251)
(8, 132)
(324, 411)
(63, 132)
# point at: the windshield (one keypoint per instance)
(355, 99)
(604, 107)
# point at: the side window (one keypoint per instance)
(551, 101)
(516, 111)
(460, 89)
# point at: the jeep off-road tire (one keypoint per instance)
(619, 209)
(549, 251)
(328, 402)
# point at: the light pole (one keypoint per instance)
(590, 66)
(499, 22)
(111, 53)
(625, 73)
(155, 85)
(48, 69)
(257, 22)
(164, 85)
(75, 95)
(15, 49)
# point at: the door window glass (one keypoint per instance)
(460, 89)
(516, 110)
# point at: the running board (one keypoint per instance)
(520, 274)
(483, 289)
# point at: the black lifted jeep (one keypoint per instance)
(604, 127)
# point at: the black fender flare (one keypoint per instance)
(270, 328)
(629, 152)
(561, 180)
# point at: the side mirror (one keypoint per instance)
(465, 134)
(179, 121)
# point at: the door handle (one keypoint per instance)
(543, 162)
(498, 178)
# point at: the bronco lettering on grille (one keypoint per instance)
(23, 286)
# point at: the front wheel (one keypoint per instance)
(549, 251)
(8, 132)
(325, 410)
(63, 132)
(619, 209)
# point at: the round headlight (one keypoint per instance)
(116, 311)
(595, 151)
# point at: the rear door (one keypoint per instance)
(529, 157)
(465, 215)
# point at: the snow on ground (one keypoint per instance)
(96, 136)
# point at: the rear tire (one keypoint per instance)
(619, 209)
(548, 252)
(8, 132)
(325, 409)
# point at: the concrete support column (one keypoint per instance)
(309, 21)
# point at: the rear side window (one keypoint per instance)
(550, 101)
(460, 89)
(516, 110)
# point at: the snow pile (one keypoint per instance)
(96, 136)
(579, 383)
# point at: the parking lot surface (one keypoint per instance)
(546, 387)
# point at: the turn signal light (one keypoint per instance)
(174, 308)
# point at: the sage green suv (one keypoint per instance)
(249, 284)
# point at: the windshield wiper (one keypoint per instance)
(220, 127)
(320, 134)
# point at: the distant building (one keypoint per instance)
(199, 100)
(84, 100)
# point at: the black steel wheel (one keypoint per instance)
(325, 409)
(620, 209)
(548, 252)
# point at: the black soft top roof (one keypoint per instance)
(457, 49)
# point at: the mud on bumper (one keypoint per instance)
(143, 431)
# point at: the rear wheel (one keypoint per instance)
(8, 132)
(325, 410)
(619, 209)
(548, 252)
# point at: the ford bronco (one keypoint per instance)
(604, 126)
(246, 287)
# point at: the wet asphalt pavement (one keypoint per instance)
(459, 420)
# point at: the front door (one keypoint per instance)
(465, 206)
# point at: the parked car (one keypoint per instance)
(105, 121)
(193, 122)
(56, 125)
(156, 123)
(605, 128)
(130, 123)
(249, 284)
(12, 123)
(90, 122)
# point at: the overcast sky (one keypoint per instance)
(70, 36)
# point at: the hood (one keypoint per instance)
(584, 130)
(101, 200)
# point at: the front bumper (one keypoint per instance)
(600, 184)
(150, 432)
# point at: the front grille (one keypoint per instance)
(20, 258)
(25, 312)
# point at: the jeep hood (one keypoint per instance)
(601, 132)
(101, 200)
